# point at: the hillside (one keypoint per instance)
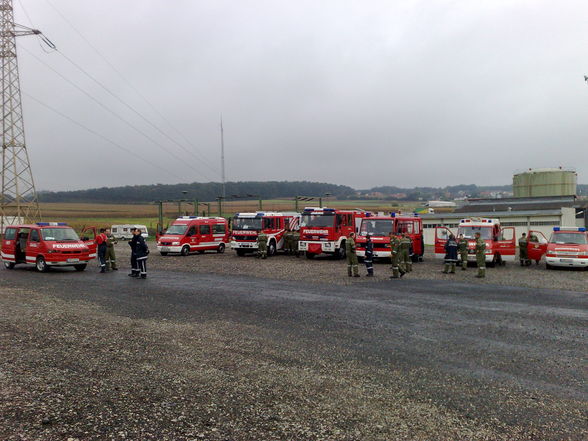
(272, 190)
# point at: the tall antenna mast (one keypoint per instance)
(224, 193)
(18, 199)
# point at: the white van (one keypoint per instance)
(124, 231)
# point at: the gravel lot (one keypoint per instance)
(326, 270)
(220, 347)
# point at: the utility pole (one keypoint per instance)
(224, 192)
(18, 197)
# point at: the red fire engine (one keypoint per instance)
(46, 245)
(379, 228)
(500, 241)
(568, 247)
(192, 233)
(246, 227)
(324, 230)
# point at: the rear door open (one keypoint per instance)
(441, 236)
(537, 246)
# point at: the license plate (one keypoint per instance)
(164, 249)
(73, 260)
(566, 260)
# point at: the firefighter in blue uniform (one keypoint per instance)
(369, 256)
(141, 253)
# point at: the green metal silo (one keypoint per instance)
(543, 182)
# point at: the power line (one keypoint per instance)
(120, 74)
(105, 107)
(98, 134)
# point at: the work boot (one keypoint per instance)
(402, 273)
(445, 268)
(452, 269)
(356, 275)
(143, 276)
(102, 270)
(409, 268)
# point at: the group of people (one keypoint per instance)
(291, 239)
(400, 252)
(459, 246)
(105, 242)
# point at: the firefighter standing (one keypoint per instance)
(369, 256)
(523, 250)
(262, 245)
(288, 240)
(450, 255)
(110, 254)
(405, 246)
(135, 272)
(295, 239)
(141, 253)
(395, 257)
(101, 241)
(462, 247)
(352, 265)
(480, 256)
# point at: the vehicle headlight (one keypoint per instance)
(175, 243)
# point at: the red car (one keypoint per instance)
(45, 245)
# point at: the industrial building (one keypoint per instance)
(544, 198)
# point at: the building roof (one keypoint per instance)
(519, 204)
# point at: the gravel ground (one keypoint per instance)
(325, 269)
(224, 348)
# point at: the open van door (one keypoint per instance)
(88, 236)
(537, 246)
(506, 244)
(441, 236)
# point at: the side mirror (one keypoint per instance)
(84, 238)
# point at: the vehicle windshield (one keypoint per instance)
(379, 227)
(59, 234)
(177, 229)
(469, 232)
(568, 238)
(317, 220)
(247, 223)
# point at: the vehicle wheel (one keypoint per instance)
(163, 253)
(271, 249)
(185, 250)
(240, 253)
(421, 258)
(9, 265)
(81, 267)
(340, 254)
(42, 266)
(310, 255)
(221, 248)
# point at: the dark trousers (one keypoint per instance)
(102, 255)
(142, 266)
(134, 265)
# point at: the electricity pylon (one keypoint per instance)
(18, 200)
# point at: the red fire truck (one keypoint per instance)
(379, 228)
(246, 227)
(46, 245)
(192, 233)
(500, 241)
(324, 230)
(568, 247)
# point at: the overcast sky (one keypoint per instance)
(361, 93)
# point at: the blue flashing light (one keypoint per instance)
(260, 213)
(415, 214)
(556, 228)
(582, 229)
(328, 209)
(43, 224)
(51, 224)
(368, 214)
(392, 214)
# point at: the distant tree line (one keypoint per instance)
(266, 190)
(201, 191)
